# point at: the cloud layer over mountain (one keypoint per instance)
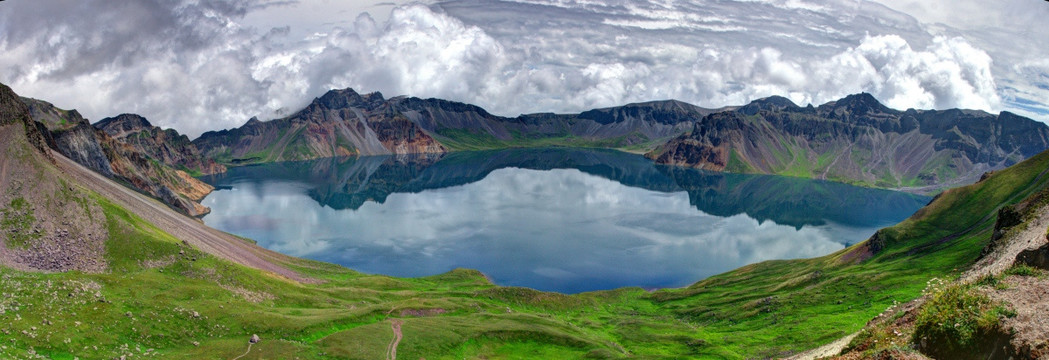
(197, 66)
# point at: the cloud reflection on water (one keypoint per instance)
(561, 230)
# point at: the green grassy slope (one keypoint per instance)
(163, 297)
(778, 306)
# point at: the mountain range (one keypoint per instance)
(855, 139)
(343, 122)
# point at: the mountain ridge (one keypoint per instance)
(166, 145)
(70, 134)
(855, 139)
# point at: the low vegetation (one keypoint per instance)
(958, 322)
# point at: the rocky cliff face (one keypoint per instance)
(168, 146)
(14, 112)
(71, 135)
(74, 137)
(627, 125)
(857, 139)
(339, 123)
(343, 122)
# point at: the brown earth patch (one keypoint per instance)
(422, 312)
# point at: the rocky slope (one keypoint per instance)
(995, 310)
(470, 127)
(74, 137)
(48, 224)
(168, 146)
(858, 140)
(339, 123)
(343, 122)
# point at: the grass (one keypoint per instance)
(956, 318)
(163, 297)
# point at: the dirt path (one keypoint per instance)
(245, 353)
(209, 240)
(1030, 238)
(832, 349)
(391, 350)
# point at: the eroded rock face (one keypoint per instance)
(343, 122)
(340, 123)
(857, 139)
(168, 146)
(14, 111)
(71, 135)
(74, 137)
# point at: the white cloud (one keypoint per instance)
(950, 73)
(200, 67)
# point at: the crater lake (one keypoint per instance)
(565, 220)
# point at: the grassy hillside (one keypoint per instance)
(160, 296)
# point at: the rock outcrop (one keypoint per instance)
(857, 140)
(340, 123)
(74, 137)
(168, 145)
(71, 135)
(14, 111)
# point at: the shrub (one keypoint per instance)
(958, 323)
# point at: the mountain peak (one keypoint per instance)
(123, 124)
(771, 103)
(858, 104)
(345, 98)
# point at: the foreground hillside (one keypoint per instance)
(94, 270)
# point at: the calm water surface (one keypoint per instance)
(551, 219)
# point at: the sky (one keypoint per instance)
(198, 65)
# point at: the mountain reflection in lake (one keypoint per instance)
(564, 220)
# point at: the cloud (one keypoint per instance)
(950, 73)
(198, 66)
